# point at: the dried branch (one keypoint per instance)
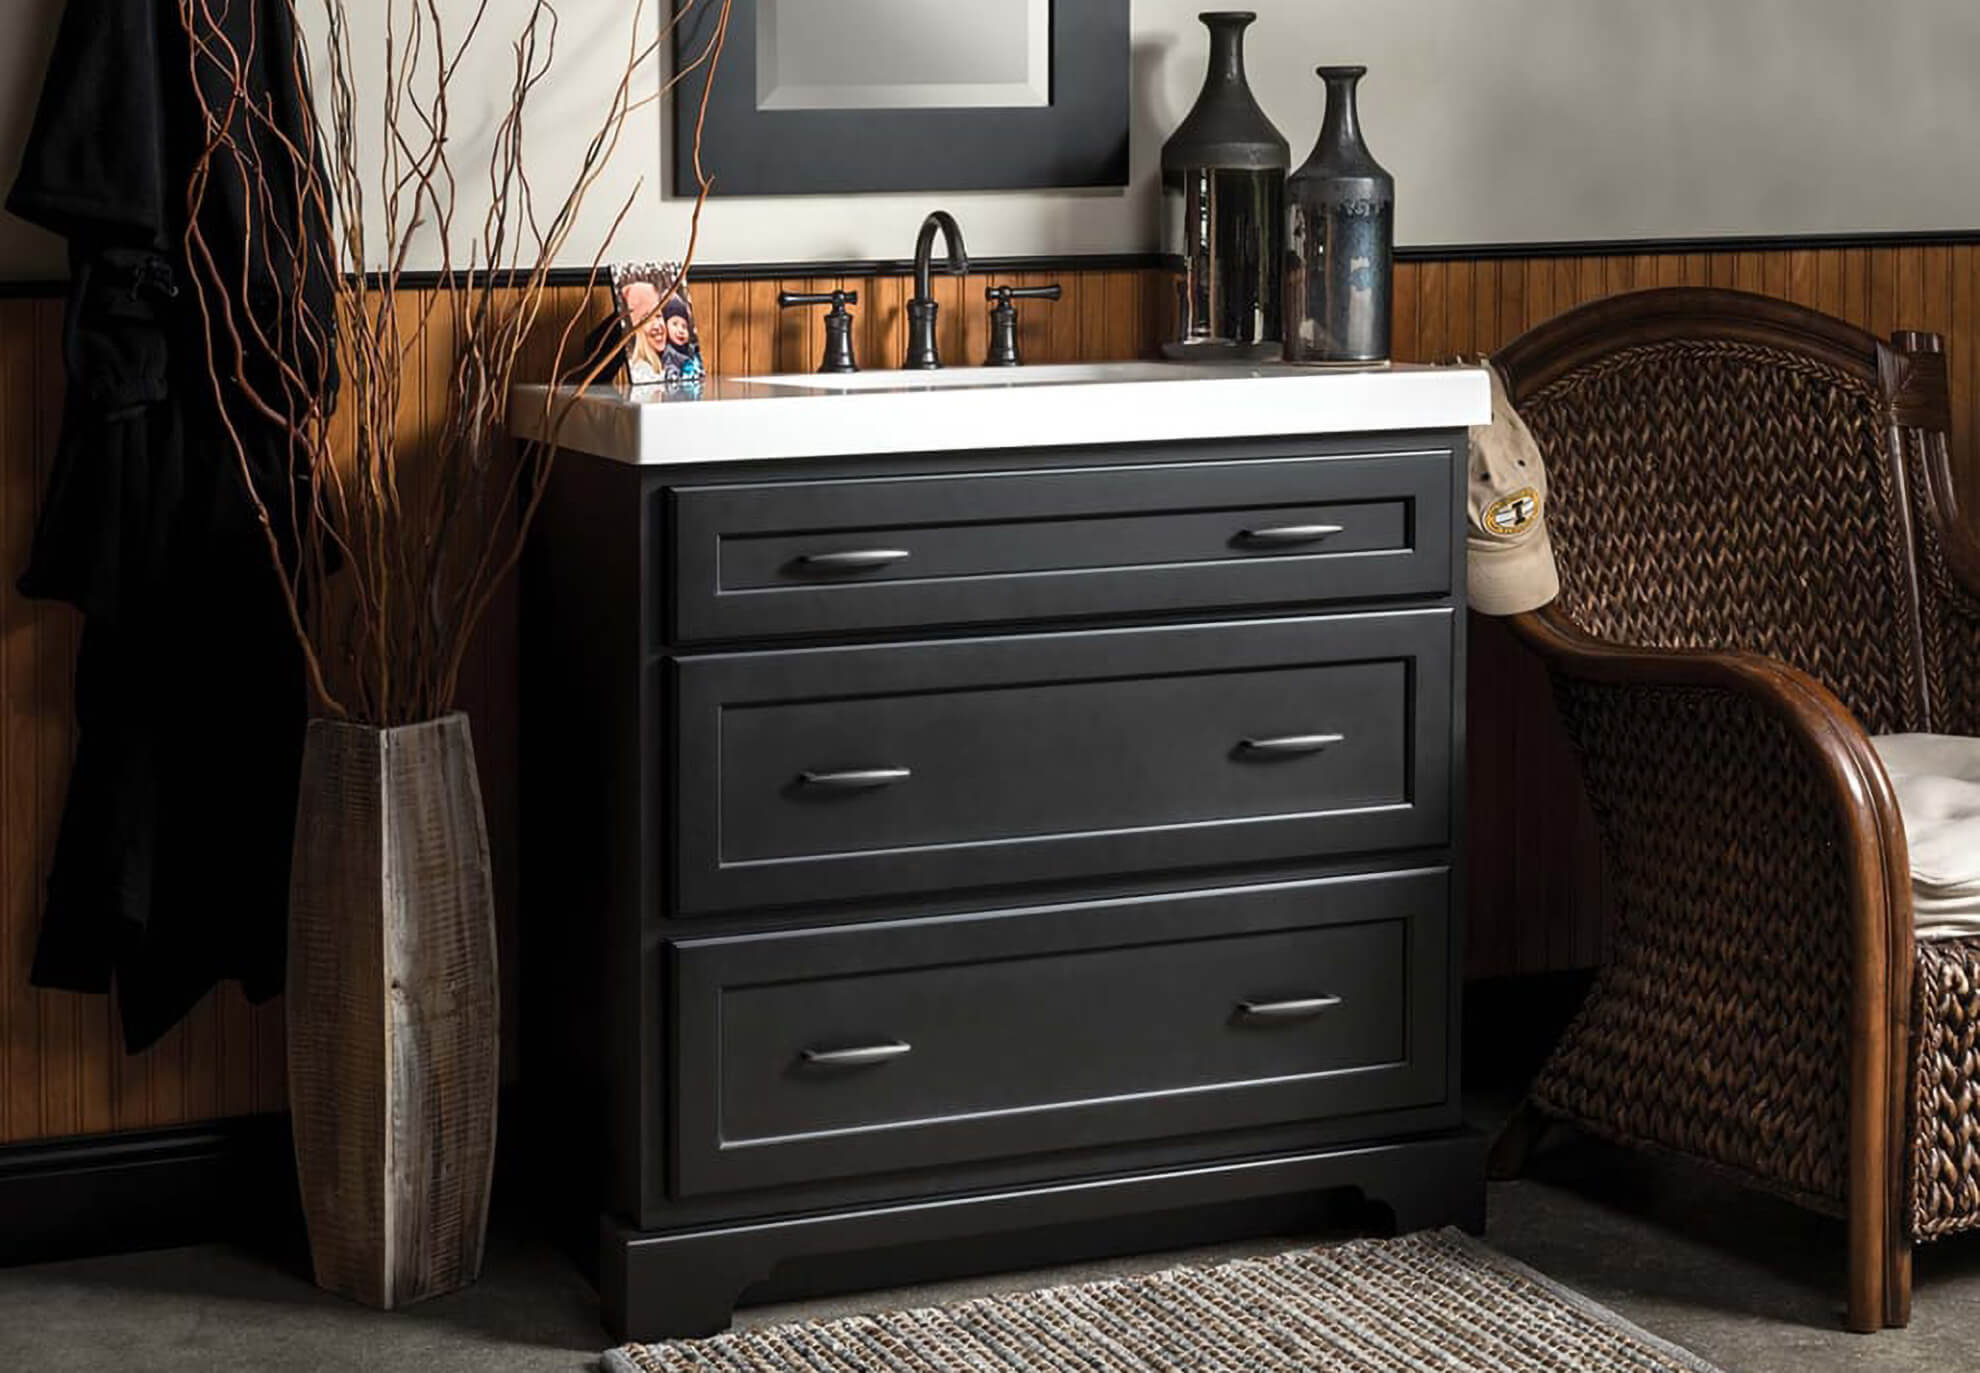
(392, 539)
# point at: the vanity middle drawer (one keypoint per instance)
(831, 556)
(908, 1044)
(830, 773)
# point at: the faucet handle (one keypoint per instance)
(837, 299)
(1003, 320)
(1008, 293)
(838, 324)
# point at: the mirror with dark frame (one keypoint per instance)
(907, 95)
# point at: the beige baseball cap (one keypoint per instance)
(1510, 564)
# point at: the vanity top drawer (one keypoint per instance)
(818, 774)
(920, 1043)
(828, 556)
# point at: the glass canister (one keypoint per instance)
(1340, 272)
(1223, 213)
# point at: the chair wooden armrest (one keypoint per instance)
(1760, 865)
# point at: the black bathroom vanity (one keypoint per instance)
(992, 819)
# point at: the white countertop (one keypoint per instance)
(959, 409)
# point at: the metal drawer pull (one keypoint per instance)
(852, 559)
(1284, 744)
(855, 779)
(1291, 533)
(852, 1058)
(1297, 1009)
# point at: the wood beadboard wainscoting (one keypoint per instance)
(1535, 900)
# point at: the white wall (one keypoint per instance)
(1503, 120)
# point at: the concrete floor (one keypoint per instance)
(1747, 1282)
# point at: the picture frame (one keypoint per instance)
(1078, 137)
(662, 340)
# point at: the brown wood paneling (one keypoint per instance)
(20, 647)
(1535, 894)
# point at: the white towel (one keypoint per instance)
(1937, 781)
(1944, 917)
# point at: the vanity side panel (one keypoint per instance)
(586, 861)
(1459, 443)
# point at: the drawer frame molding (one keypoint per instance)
(702, 972)
(1127, 539)
(705, 688)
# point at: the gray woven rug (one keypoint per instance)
(1433, 1301)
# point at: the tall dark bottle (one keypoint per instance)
(1223, 213)
(1340, 275)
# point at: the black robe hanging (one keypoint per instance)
(171, 868)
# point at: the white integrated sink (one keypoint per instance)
(1062, 374)
(870, 414)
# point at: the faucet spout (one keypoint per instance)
(938, 221)
(922, 353)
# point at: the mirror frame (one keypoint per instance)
(1079, 139)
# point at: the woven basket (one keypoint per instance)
(392, 1009)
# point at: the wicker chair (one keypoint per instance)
(1763, 561)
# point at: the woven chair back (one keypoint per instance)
(1720, 475)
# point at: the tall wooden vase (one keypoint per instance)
(392, 1009)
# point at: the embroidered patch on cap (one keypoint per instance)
(1512, 514)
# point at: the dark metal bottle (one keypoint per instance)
(1223, 213)
(1340, 273)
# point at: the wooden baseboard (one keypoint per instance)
(152, 1189)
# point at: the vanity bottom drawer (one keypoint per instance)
(907, 1044)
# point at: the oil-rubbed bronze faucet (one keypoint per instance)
(921, 350)
(1004, 320)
